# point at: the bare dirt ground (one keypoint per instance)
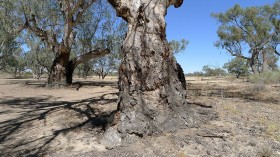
(241, 119)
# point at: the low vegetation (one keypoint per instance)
(272, 77)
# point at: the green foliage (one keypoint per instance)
(98, 28)
(208, 71)
(248, 33)
(84, 69)
(213, 71)
(268, 60)
(178, 46)
(16, 64)
(237, 67)
(9, 45)
(102, 30)
(39, 58)
(14, 58)
(266, 77)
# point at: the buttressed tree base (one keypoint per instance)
(152, 98)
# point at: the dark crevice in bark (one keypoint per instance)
(69, 71)
(58, 70)
(181, 76)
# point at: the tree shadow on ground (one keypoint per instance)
(28, 110)
(79, 84)
(76, 84)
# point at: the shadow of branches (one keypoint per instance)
(26, 111)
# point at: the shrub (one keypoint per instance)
(266, 77)
(237, 67)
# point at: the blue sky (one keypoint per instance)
(192, 21)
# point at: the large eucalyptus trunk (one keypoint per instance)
(152, 99)
(58, 70)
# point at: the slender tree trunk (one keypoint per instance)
(15, 72)
(238, 74)
(152, 99)
(104, 75)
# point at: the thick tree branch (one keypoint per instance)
(235, 54)
(90, 55)
(262, 44)
(235, 22)
(176, 3)
(73, 17)
(31, 24)
(21, 28)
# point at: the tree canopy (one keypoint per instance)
(237, 67)
(250, 33)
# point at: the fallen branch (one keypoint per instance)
(199, 104)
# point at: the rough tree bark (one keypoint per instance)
(152, 98)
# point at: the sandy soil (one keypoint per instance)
(39, 121)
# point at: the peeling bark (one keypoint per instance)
(152, 98)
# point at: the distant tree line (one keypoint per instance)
(209, 71)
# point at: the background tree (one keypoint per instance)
(39, 57)
(238, 67)
(55, 22)
(267, 60)
(196, 73)
(246, 33)
(9, 44)
(16, 63)
(208, 71)
(104, 30)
